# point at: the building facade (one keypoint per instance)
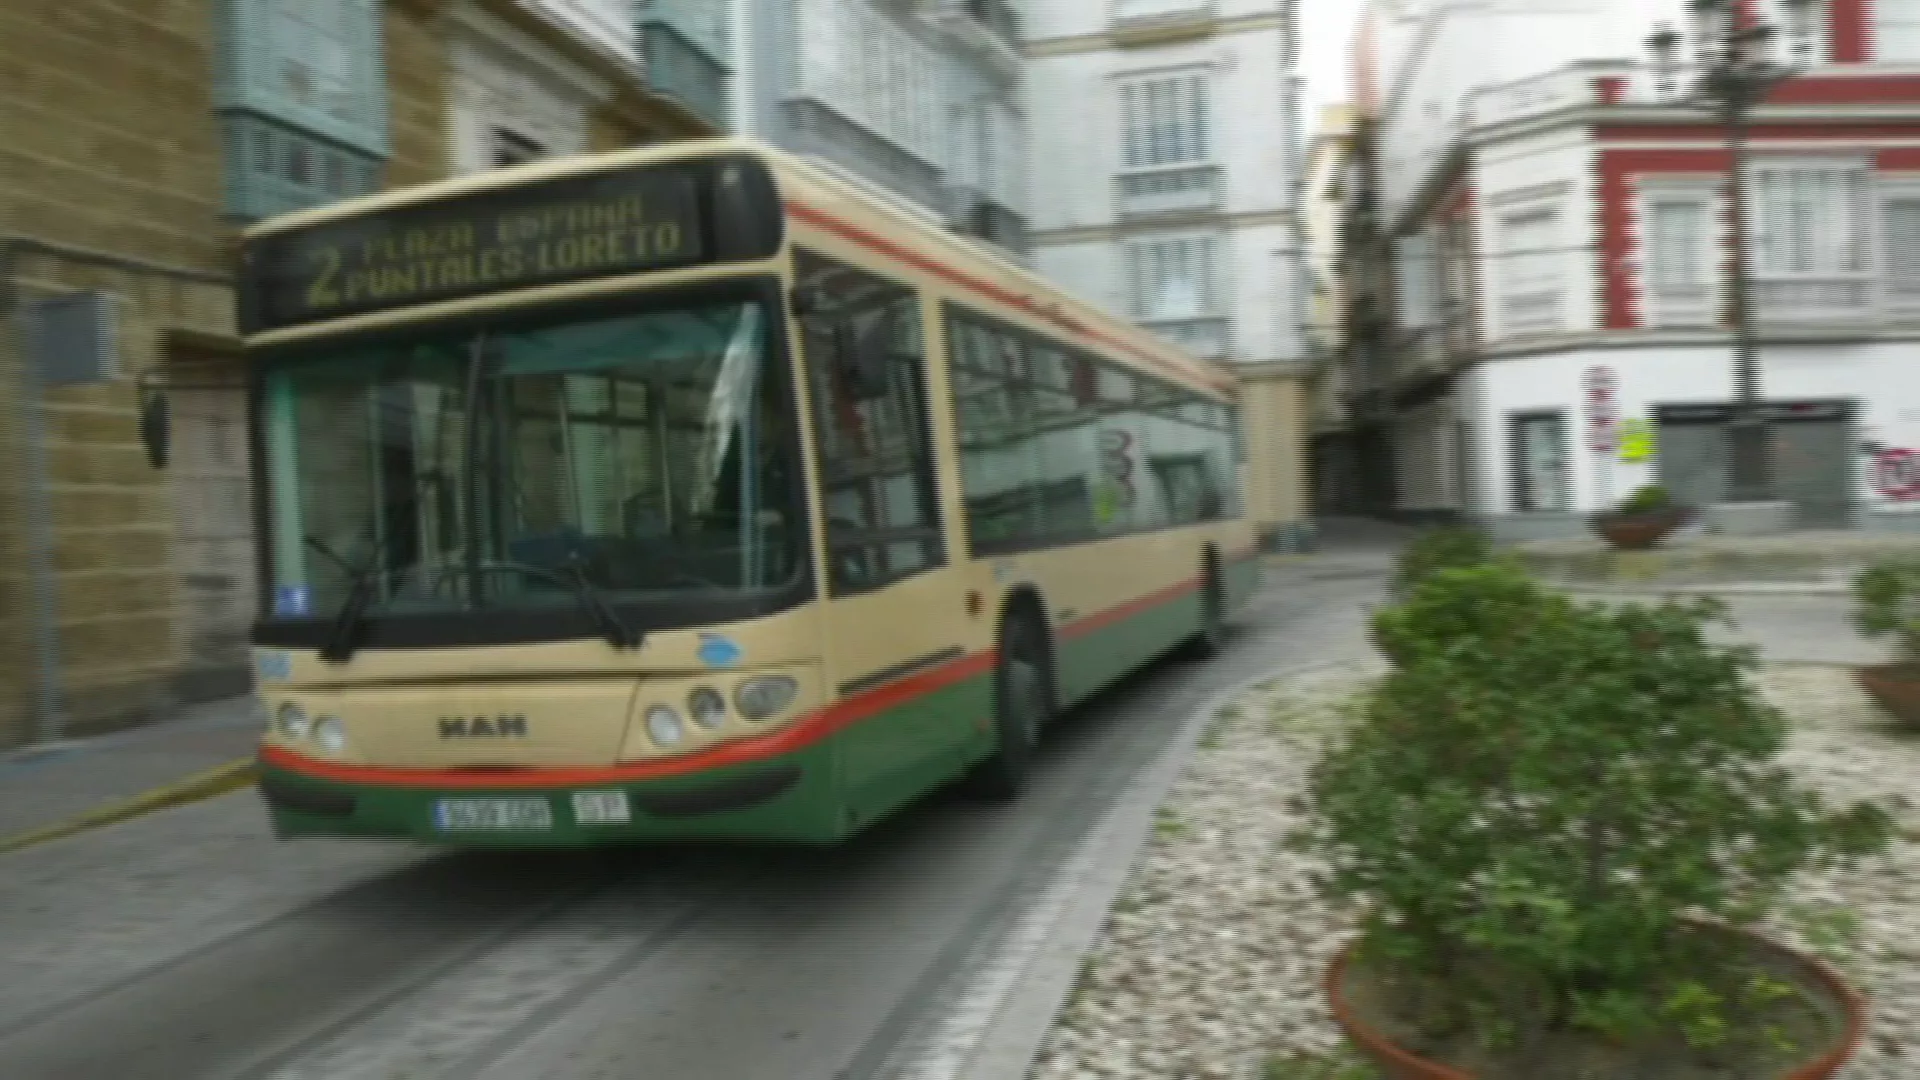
(918, 98)
(1560, 246)
(1323, 242)
(139, 138)
(1166, 191)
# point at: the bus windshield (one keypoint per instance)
(528, 465)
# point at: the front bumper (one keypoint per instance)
(788, 797)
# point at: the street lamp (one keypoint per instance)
(1735, 70)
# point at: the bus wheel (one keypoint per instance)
(1212, 635)
(1021, 703)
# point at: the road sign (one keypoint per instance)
(1603, 412)
(1896, 474)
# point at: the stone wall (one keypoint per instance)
(110, 140)
(110, 179)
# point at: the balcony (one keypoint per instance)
(1437, 348)
(1829, 299)
(1206, 338)
(1678, 304)
(990, 28)
(997, 225)
(1901, 295)
(1153, 21)
(681, 70)
(1171, 189)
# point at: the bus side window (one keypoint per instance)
(876, 455)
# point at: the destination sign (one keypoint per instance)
(540, 233)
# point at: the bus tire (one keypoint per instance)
(1208, 641)
(1022, 703)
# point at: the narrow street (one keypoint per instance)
(190, 944)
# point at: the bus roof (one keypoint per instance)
(823, 199)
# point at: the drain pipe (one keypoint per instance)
(30, 417)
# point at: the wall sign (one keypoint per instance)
(1636, 440)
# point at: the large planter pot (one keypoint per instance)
(1638, 532)
(1399, 1064)
(1896, 687)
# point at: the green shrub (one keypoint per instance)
(1886, 599)
(1438, 549)
(1547, 790)
(1647, 500)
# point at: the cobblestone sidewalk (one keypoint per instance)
(1210, 964)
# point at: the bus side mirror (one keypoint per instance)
(155, 425)
(868, 357)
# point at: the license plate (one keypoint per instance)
(493, 815)
(601, 808)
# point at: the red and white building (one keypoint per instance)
(1561, 245)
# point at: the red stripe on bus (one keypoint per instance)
(803, 733)
(986, 288)
(1100, 620)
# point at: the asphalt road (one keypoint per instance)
(191, 946)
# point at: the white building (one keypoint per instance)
(918, 97)
(540, 84)
(1166, 151)
(1556, 224)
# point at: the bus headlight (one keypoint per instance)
(765, 695)
(664, 726)
(707, 707)
(330, 734)
(292, 721)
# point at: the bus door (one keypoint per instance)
(894, 614)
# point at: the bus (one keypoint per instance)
(699, 491)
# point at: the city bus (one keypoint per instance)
(699, 491)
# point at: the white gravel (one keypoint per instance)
(1211, 962)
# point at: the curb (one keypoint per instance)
(216, 781)
(997, 1034)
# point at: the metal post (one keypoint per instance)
(1749, 445)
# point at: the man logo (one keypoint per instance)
(483, 727)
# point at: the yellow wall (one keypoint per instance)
(109, 143)
(1275, 417)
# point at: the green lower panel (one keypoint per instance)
(1093, 660)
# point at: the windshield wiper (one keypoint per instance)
(619, 634)
(342, 637)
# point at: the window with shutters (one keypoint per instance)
(1531, 273)
(1415, 280)
(301, 96)
(1812, 241)
(1900, 247)
(1167, 143)
(1678, 248)
(873, 72)
(1896, 31)
(1173, 286)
